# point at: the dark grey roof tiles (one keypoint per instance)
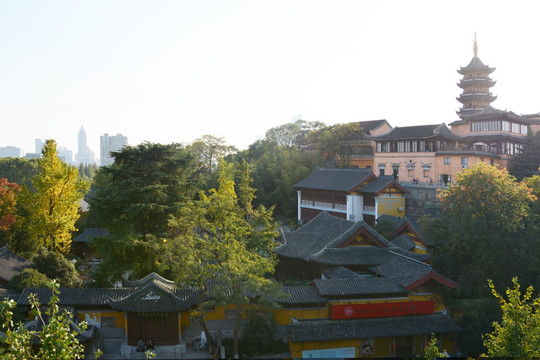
(404, 269)
(351, 256)
(340, 272)
(313, 236)
(475, 64)
(417, 132)
(335, 179)
(75, 296)
(377, 185)
(11, 264)
(301, 295)
(371, 124)
(404, 241)
(89, 234)
(330, 330)
(360, 287)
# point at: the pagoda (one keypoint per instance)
(476, 84)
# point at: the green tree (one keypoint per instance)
(482, 229)
(134, 199)
(19, 170)
(54, 206)
(28, 278)
(431, 351)
(223, 242)
(56, 267)
(339, 142)
(526, 163)
(517, 335)
(208, 150)
(57, 340)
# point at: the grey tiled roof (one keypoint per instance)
(89, 234)
(330, 330)
(151, 298)
(335, 179)
(402, 268)
(492, 137)
(475, 64)
(351, 256)
(394, 220)
(490, 113)
(301, 295)
(404, 241)
(380, 184)
(11, 264)
(372, 124)
(340, 272)
(417, 132)
(313, 236)
(365, 286)
(75, 296)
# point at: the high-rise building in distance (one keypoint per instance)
(108, 144)
(10, 151)
(84, 155)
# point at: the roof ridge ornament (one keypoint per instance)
(475, 46)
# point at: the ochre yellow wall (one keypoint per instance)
(437, 300)
(120, 319)
(389, 205)
(283, 316)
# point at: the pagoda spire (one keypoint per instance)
(476, 84)
(475, 46)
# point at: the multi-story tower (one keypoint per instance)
(109, 144)
(476, 84)
(84, 155)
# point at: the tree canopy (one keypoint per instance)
(57, 340)
(481, 231)
(517, 335)
(134, 199)
(224, 245)
(54, 205)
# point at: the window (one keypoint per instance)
(464, 162)
(447, 160)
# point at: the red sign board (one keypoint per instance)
(355, 311)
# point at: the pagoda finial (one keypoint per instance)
(475, 46)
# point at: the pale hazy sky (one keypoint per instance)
(172, 71)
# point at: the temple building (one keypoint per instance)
(369, 297)
(352, 194)
(436, 153)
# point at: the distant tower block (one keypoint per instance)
(109, 144)
(476, 85)
(84, 155)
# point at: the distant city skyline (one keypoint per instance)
(173, 71)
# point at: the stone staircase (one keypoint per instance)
(162, 352)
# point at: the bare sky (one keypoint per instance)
(172, 71)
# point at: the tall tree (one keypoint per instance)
(224, 246)
(517, 335)
(481, 228)
(19, 170)
(209, 149)
(527, 162)
(8, 200)
(134, 199)
(54, 206)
